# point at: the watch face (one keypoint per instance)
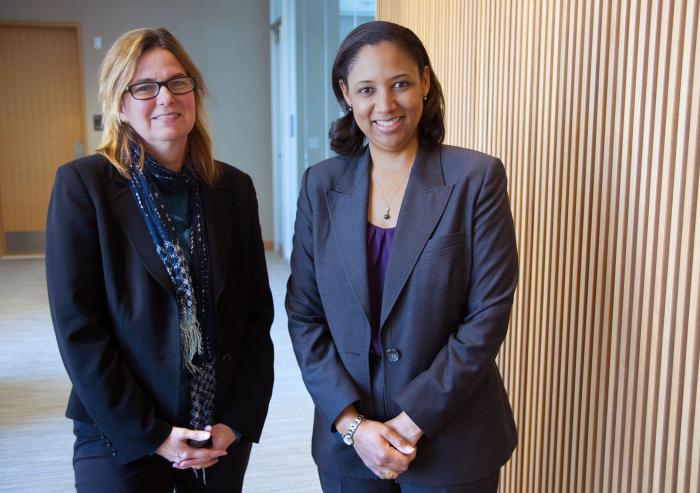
(347, 439)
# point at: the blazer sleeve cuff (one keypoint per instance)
(151, 442)
(421, 410)
(339, 410)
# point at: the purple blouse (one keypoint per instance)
(379, 242)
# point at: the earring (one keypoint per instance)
(425, 98)
(349, 109)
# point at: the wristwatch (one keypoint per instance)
(347, 438)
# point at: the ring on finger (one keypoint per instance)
(388, 474)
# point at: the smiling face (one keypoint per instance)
(385, 90)
(163, 122)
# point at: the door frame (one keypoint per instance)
(81, 88)
(283, 86)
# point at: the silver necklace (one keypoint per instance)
(387, 212)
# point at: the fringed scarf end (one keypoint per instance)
(190, 341)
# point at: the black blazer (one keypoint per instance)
(447, 298)
(115, 315)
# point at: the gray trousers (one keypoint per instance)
(333, 483)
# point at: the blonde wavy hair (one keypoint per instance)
(116, 72)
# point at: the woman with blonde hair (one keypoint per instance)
(158, 287)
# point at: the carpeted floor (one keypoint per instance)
(36, 440)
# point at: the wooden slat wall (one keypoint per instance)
(594, 107)
(41, 117)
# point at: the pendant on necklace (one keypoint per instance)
(386, 214)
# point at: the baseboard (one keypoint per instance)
(22, 257)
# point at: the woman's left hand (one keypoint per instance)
(222, 436)
(404, 426)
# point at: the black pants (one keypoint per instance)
(331, 483)
(97, 472)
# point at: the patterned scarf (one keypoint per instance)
(193, 298)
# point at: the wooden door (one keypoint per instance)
(41, 127)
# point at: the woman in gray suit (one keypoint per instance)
(403, 272)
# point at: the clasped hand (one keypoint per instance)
(387, 449)
(176, 449)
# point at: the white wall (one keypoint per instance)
(227, 39)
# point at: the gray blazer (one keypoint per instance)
(446, 303)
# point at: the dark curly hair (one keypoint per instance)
(346, 137)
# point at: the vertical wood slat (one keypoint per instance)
(594, 106)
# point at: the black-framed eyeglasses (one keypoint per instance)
(149, 90)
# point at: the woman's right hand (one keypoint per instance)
(176, 450)
(386, 453)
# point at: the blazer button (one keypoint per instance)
(393, 355)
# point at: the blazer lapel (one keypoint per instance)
(347, 206)
(424, 202)
(219, 219)
(139, 237)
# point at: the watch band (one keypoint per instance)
(347, 438)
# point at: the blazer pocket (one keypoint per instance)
(444, 241)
